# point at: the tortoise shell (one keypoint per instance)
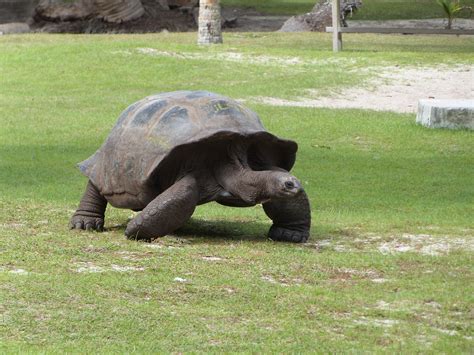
(151, 130)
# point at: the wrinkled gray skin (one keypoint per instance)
(226, 156)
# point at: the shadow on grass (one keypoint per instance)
(216, 232)
(223, 231)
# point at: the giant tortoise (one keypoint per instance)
(170, 152)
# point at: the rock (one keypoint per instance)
(453, 114)
(182, 3)
(119, 11)
(312, 21)
(116, 11)
(163, 4)
(57, 11)
(229, 22)
(320, 17)
(14, 27)
(304, 23)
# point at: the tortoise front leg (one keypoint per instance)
(291, 218)
(167, 212)
(90, 213)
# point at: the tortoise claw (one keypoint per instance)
(282, 234)
(86, 223)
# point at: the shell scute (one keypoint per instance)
(198, 94)
(147, 112)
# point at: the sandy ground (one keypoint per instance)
(394, 89)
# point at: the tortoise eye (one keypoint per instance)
(289, 184)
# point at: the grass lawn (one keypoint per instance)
(405, 9)
(389, 263)
(274, 7)
(370, 10)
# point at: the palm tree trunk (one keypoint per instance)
(209, 30)
(450, 22)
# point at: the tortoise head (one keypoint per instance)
(267, 185)
(280, 184)
(251, 179)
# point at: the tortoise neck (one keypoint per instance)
(242, 182)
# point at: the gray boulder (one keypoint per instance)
(320, 17)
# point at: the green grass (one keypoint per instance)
(370, 10)
(405, 9)
(274, 7)
(375, 180)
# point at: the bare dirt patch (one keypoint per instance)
(14, 271)
(284, 282)
(394, 89)
(212, 258)
(386, 323)
(89, 267)
(289, 63)
(424, 244)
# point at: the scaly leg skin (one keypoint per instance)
(90, 213)
(167, 212)
(291, 219)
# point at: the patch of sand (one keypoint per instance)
(386, 323)
(88, 267)
(284, 282)
(180, 279)
(394, 89)
(212, 258)
(424, 244)
(234, 57)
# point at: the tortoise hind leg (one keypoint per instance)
(167, 212)
(291, 218)
(90, 213)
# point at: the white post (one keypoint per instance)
(336, 25)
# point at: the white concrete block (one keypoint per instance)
(453, 114)
(14, 27)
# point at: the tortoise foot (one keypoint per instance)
(282, 234)
(135, 230)
(84, 222)
(90, 213)
(167, 212)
